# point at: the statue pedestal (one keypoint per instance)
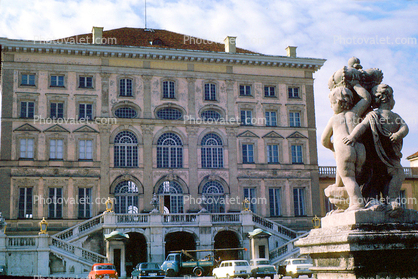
(364, 244)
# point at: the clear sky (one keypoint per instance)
(383, 34)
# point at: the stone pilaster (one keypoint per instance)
(191, 89)
(105, 94)
(147, 134)
(147, 96)
(233, 165)
(104, 163)
(193, 163)
(230, 98)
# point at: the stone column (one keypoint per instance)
(105, 94)
(230, 98)
(191, 89)
(147, 134)
(147, 96)
(43, 255)
(233, 165)
(157, 249)
(193, 161)
(104, 164)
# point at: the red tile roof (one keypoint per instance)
(412, 156)
(152, 38)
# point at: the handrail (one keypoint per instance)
(21, 241)
(226, 217)
(274, 226)
(85, 254)
(180, 218)
(283, 249)
(83, 226)
(131, 218)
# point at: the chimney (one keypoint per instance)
(97, 33)
(291, 51)
(230, 44)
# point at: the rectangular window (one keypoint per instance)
(28, 80)
(85, 82)
(247, 153)
(293, 92)
(245, 90)
(271, 118)
(27, 109)
(249, 193)
(299, 201)
(57, 110)
(125, 87)
(275, 202)
(56, 147)
(210, 92)
(85, 111)
(84, 203)
(297, 157)
(294, 119)
(246, 117)
(272, 154)
(57, 81)
(55, 205)
(25, 203)
(169, 90)
(269, 91)
(85, 150)
(26, 148)
(402, 199)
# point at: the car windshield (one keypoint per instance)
(241, 263)
(105, 267)
(149, 266)
(263, 262)
(300, 262)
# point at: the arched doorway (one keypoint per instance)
(135, 251)
(179, 241)
(227, 239)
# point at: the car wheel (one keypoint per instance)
(198, 272)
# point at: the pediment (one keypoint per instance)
(56, 129)
(26, 128)
(273, 134)
(85, 129)
(297, 135)
(248, 134)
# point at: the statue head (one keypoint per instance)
(383, 94)
(354, 62)
(341, 99)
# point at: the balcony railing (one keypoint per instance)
(21, 241)
(132, 218)
(330, 171)
(179, 218)
(226, 218)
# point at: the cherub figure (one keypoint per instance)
(349, 159)
(388, 130)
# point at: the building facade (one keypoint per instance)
(153, 121)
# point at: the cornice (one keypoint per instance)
(148, 53)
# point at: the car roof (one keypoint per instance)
(102, 264)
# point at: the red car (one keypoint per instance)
(103, 271)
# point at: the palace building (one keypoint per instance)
(177, 132)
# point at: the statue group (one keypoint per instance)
(366, 138)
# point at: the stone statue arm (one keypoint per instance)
(402, 132)
(326, 136)
(364, 103)
(359, 130)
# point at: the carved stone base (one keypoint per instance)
(365, 249)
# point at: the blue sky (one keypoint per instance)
(332, 29)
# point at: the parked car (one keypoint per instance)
(262, 268)
(103, 271)
(230, 269)
(298, 266)
(147, 270)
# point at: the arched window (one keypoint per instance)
(169, 151)
(126, 195)
(169, 114)
(210, 115)
(172, 196)
(125, 112)
(126, 150)
(212, 152)
(214, 194)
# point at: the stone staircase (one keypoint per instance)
(285, 251)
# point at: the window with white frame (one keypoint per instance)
(250, 194)
(275, 202)
(55, 206)
(125, 87)
(172, 194)
(297, 156)
(56, 110)
(125, 112)
(85, 82)
(214, 194)
(169, 89)
(246, 117)
(28, 80)
(25, 203)
(210, 92)
(126, 150)
(248, 153)
(293, 92)
(271, 118)
(85, 111)
(269, 91)
(57, 81)
(212, 151)
(169, 114)
(126, 195)
(84, 203)
(26, 148)
(294, 119)
(85, 150)
(272, 154)
(245, 90)
(169, 151)
(56, 149)
(299, 201)
(27, 109)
